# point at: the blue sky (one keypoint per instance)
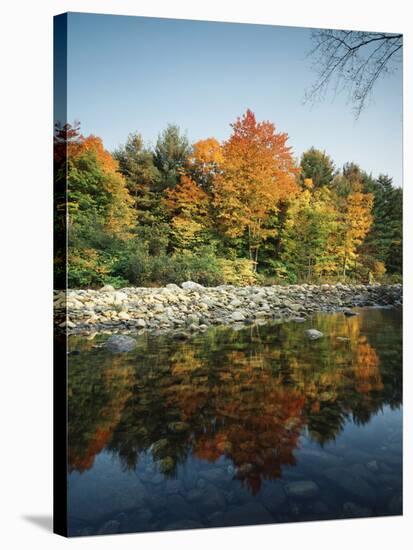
(130, 74)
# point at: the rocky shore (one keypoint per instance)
(192, 307)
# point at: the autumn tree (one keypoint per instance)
(258, 171)
(205, 162)
(308, 238)
(356, 223)
(189, 205)
(99, 210)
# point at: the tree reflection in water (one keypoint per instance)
(245, 395)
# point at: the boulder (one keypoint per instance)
(238, 316)
(190, 285)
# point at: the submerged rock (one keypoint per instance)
(350, 313)
(119, 343)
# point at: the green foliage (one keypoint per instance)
(317, 166)
(170, 156)
(151, 217)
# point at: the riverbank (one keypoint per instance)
(192, 307)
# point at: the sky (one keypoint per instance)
(134, 74)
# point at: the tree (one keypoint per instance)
(353, 60)
(170, 156)
(317, 166)
(99, 211)
(141, 175)
(384, 242)
(258, 171)
(189, 205)
(205, 162)
(308, 238)
(356, 223)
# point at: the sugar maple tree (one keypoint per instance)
(258, 171)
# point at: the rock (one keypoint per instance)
(190, 285)
(120, 343)
(349, 313)
(298, 319)
(140, 323)
(172, 286)
(301, 489)
(107, 288)
(123, 316)
(238, 316)
(111, 527)
(119, 297)
(313, 334)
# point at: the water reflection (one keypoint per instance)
(249, 400)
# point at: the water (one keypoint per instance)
(238, 427)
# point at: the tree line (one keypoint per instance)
(242, 211)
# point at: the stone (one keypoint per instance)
(120, 343)
(302, 489)
(238, 316)
(140, 323)
(172, 286)
(190, 285)
(313, 334)
(349, 313)
(107, 288)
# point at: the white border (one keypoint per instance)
(26, 281)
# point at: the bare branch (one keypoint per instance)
(352, 60)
